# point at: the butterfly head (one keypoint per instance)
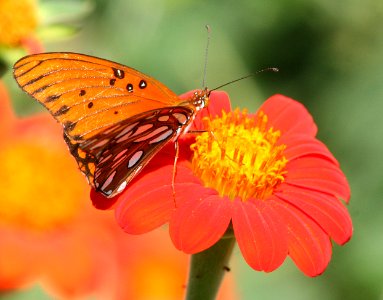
(200, 99)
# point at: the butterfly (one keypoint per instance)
(115, 118)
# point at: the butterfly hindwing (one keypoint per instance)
(112, 158)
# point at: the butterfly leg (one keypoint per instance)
(214, 138)
(177, 148)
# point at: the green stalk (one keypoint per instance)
(207, 269)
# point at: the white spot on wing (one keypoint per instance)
(120, 154)
(99, 144)
(105, 158)
(124, 138)
(119, 158)
(142, 129)
(151, 134)
(139, 130)
(122, 187)
(163, 118)
(135, 158)
(108, 181)
(162, 136)
(182, 118)
(126, 130)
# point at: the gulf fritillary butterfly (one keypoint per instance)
(115, 118)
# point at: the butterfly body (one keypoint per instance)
(115, 118)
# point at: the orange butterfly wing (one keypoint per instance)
(115, 118)
(87, 94)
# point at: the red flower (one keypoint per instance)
(264, 174)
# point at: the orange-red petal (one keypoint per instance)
(200, 221)
(81, 261)
(148, 202)
(260, 233)
(301, 145)
(317, 174)
(328, 212)
(16, 268)
(288, 116)
(309, 246)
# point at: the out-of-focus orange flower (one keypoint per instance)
(18, 22)
(51, 234)
(48, 231)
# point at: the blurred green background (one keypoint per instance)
(330, 55)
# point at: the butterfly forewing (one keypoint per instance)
(88, 94)
(113, 157)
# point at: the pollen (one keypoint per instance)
(239, 156)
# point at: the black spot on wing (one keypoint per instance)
(61, 111)
(129, 87)
(34, 80)
(69, 126)
(120, 74)
(52, 98)
(39, 90)
(142, 84)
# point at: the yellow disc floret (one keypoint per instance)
(238, 156)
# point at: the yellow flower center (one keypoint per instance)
(38, 189)
(18, 20)
(238, 157)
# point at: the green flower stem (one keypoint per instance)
(207, 269)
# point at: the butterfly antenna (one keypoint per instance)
(271, 69)
(206, 56)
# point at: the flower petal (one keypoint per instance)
(315, 173)
(101, 202)
(309, 246)
(78, 263)
(260, 233)
(148, 202)
(200, 221)
(288, 116)
(13, 270)
(32, 44)
(327, 211)
(300, 145)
